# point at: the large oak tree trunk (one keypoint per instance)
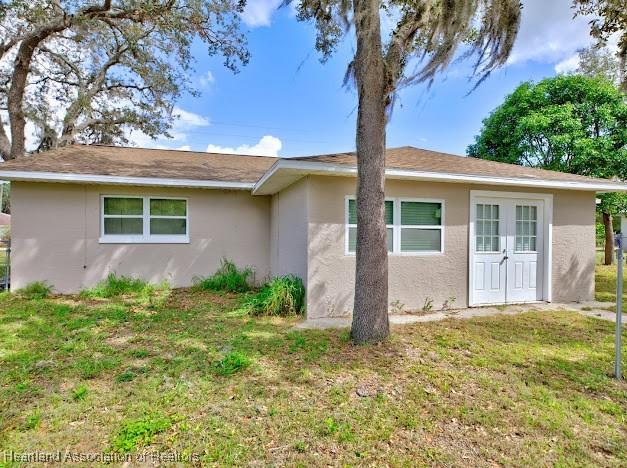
(609, 239)
(370, 310)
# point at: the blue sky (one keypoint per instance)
(285, 102)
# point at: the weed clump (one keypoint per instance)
(227, 278)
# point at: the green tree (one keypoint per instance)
(574, 124)
(425, 38)
(91, 70)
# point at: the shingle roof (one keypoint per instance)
(141, 162)
(416, 159)
(227, 168)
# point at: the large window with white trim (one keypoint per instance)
(128, 219)
(414, 226)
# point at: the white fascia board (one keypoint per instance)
(307, 167)
(32, 176)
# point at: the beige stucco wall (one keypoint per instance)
(289, 231)
(414, 278)
(56, 229)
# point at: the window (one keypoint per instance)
(144, 219)
(352, 224)
(526, 228)
(414, 227)
(487, 230)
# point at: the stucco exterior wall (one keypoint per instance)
(289, 231)
(56, 230)
(439, 277)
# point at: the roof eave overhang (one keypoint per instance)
(33, 176)
(285, 172)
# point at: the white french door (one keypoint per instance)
(507, 248)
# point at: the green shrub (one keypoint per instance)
(139, 432)
(115, 285)
(230, 364)
(227, 278)
(35, 290)
(79, 393)
(282, 295)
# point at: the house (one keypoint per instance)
(460, 230)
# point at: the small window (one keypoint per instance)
(123, 216)
(413, 226)
(144, 219)
(421, 226)
(352, 224)
(168, 217)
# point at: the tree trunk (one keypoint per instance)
(609, 239)
(370, 310)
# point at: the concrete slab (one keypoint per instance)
(597, 310)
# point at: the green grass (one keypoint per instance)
(186, 374)
(228, 278)
(281, 296)
(606, 282)
(115, 285)
(35, 290)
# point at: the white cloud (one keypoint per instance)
(548, 33)
(185, 119)
(267, 146)
(184, 123)
(259, 12)
(206, 79)
(568, 65)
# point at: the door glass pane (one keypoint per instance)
(526, 228)
(121, 226)
(123, 206)
(487, 228)
(420, 240)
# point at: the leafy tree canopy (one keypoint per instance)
(91, 70)
(574, 124)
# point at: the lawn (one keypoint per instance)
(183, 371)
(606, 282)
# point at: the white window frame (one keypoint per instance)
(146, 237)
(396, 227)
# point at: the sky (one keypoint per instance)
(286, 103)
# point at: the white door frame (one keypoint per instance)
(547, 244)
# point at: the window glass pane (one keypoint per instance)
(479, 211)
(495, 228)
(352, 239)
(480, 228)
(123, 206)
(390, 239)
(495, 244)
(421, 214)
(418, 240)
(480, 244)
(533, 213)
(519, 243)
(352, 212)
(532, 246)
(118, 226)
(525, 243)
(165, 207)
(167, 226)
(389, 212)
